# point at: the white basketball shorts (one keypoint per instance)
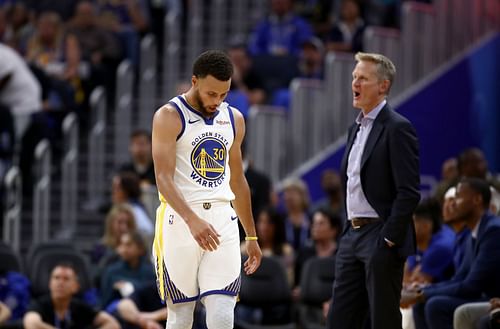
(184, 271)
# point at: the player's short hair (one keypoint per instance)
(386, 70)
(215, 63)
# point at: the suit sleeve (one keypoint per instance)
(484, 270)
(404, 162)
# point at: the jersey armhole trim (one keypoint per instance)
(182, 118)
(231, 117)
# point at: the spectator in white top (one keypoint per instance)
(20, 92)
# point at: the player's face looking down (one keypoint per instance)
(209, 93)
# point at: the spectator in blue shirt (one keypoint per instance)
(281, 33)
(14, 296)
(433, 261)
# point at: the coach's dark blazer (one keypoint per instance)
(390, 176)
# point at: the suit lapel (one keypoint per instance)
(371, 141)
(377, 128)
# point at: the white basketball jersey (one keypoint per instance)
(202, 171)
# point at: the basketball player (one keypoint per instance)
(199, 173)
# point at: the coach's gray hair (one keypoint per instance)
(385, 67)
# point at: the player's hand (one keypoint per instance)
(205, 234)
(254, 256)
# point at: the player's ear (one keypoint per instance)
(194, 80)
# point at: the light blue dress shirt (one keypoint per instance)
(357, 204)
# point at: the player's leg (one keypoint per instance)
(219, 272)
(181, 258)
(219, 311)
(176, 271)
(180, 316)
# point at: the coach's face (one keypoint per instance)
(209, 93)
(368, 90)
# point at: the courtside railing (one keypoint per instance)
(13, 200)
(96, 179)
(266, 141)
(69, 167)
(148, 82)
(41, 193)
(123, 112)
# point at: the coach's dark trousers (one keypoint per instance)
(368, 278)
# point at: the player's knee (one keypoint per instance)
(179, 321)
(220, 312)
(220, 320)
(180, 316)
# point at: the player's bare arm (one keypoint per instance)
(242, 203)
(166, 127)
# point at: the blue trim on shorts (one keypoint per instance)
(234, 286)
(218, 292)
(185, 300)
(173, 292)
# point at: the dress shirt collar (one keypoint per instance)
(372, 115)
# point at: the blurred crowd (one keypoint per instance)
(290, 229)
